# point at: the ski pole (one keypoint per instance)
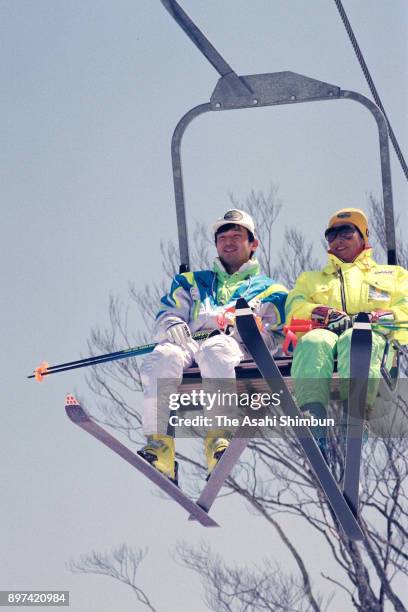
(305, 325)
(397, 325)
(44, 369)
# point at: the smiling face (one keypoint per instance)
(234, 247)
(345, 242)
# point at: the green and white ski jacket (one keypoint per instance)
(198, 298)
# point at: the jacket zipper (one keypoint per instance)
(342, 290)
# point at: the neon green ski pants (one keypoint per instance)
(313, 364)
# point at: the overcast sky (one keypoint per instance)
(91, 93)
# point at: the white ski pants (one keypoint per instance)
(216, 357)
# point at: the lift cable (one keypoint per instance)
(371, 85)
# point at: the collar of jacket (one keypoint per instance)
(364, 261)
(249, 268)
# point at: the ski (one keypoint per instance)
(252, 339)
(78, 416)
(221, 472)
(360, 357)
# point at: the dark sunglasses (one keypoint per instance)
(344, 231)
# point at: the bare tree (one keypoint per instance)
(244, 589)
(121, 564)
(274, 478)
(296, 257)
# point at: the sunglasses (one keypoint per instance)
(344, 231)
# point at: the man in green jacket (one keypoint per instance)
(351, 282)
(203, 301)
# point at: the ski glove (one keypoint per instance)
(179, 333)
(334, 320)
(382, 316)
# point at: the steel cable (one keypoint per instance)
(371, 85)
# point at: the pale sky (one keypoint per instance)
(91, 93)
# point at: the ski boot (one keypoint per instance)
(215, 444)
(160, 452)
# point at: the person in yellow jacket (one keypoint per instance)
(351, 282)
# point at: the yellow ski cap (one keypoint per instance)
(354, 216)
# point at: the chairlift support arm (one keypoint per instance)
(207, 49)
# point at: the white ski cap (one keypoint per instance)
(237, 217)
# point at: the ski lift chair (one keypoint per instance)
(255, 91)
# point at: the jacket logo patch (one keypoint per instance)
(384, 272)
(377, 294)
(233, 215)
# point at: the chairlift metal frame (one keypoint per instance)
(256, 91)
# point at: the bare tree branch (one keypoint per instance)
(296, 257)
(234, 589)
(264, 209)
(121, 564)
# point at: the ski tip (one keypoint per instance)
(74, 410)
(70, 400)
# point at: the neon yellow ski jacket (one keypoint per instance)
(359, 286)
